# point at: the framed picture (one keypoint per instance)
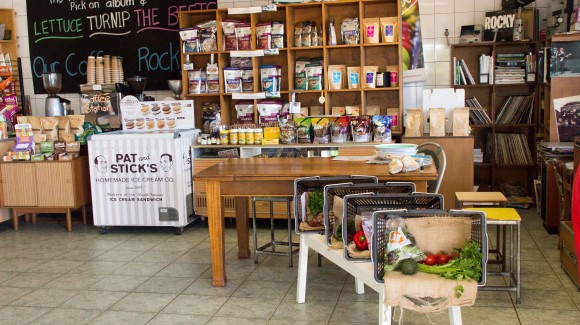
(565, 59)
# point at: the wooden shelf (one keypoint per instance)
(380, 44)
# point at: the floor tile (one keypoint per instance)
(7, 275)
(44, 298)
(144, 302)
(296, 322)
(140, 268)
(309, 311)
(56, 266)
(203, 287)
(184, 270)
(544, 316)
(546, 299)
(118, 256)
(195, 305)
(20, 264)
(489, 315)
(76, 281)
(102, 244)
(263, 289)
(81, 254)
(8, 295)
(173, 246)
(100, 300)
(98, 267)
(274, 273)
(236, 321)
(66, 317)
(119, 283)
(31, 280)
(137, 245)
(320, 291)
(159, 256)
(177, 319)
(244, 307)
(165, 285)
(16, 315)
(122, 318)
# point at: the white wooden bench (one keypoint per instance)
(361, 271)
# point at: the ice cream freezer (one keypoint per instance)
(142, 179)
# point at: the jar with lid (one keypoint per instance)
(225, 136)
(258, 136)
(242, 136)
(234, 136)
(250, 136)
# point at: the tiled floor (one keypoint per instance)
(151, 276)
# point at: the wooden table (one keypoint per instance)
(243, 178)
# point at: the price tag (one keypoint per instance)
(321, 100)
(188, 66)
(294, 107)
(97, 87)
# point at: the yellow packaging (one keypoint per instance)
(258, 136)
(271, 133)
(249, 136)
(234, 136)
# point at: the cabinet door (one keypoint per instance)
(55, 184)
(19, 184)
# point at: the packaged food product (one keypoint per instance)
(352, 110)
(67, 137)
(361, 128)
(197, 81)
(393, 71)
(414, 123)
(321, 130)
(353, 77)
(382, 128)
(349, 29)
(233, 80)
(370, 73)
(373, 110)
(59, 147)
(49, 127)
(63, 126)
(437, 122)
(388, 29)
(316, 110)
(207, 36)
(264, 35)
(229, 30)
(244, 36)
(338, 110)
(331, 33)
(47, 146)
(213, 84)
(269, 111)
(380, 79)
(298, 35)
(241, 136)
(461, 121)
(76, 123)
(336, 76)
(240, 62)
(306, 34)
(313, 34)
(73, 147)
(303, 130)
(258, 135)
(249, 136)
(339, 130)
(394, 114)
(300, 81)
(371, 30)
(270, 80)
(190, 39)
(277, 35)
(234, 136)
(314, 76)
(211, 118)
(245, 112)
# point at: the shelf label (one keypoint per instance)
(247, 54)
(246, 10)
(272, 52)
(261, 95)
(269, 8)
(98, 87)
(188, 66)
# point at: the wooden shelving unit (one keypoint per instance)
(382, 54)
(10, 45)
(490, 174)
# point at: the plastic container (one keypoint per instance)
(234, 136)
(249, 136)
(258, 136)
(225, 136)
(241, 136)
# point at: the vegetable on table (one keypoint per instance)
(408, 266)
(431, 259)
(443, 258)
(315, 207)
(360, 240)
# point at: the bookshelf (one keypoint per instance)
(505, 126)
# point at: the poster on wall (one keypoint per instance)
(63, 33)
(567, 111)
(564, 59)
(412, 47)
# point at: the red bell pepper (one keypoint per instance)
(360, 240)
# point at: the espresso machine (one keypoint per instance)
(54, 104)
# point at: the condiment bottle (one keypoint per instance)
(258, 136)
(242, 136)
(250, 136)
(234, 136)
(224, 136)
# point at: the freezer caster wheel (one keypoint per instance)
(103, 230)
(178, 231)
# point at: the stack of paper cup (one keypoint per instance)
(107, 60)
(100, 70)
(121, 73)
(114, 70)
(91, 71)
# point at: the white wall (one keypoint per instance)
(436, 15)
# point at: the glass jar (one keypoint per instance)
(234, 136)
(258, 136)
(249, 136)
(242, 136)
(225, 136)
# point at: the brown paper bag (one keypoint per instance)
(414, 123)
(437, 122)
(461, 122)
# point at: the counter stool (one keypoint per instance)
(270, 248)
(504, 217)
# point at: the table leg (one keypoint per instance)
(518, 260)
(15, 219)
(241, 203)
(68, 220)
(84, 214)
(215, 221)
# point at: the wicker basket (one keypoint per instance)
(341, 190)
(317, 183)
(357, 204)
(380, 235)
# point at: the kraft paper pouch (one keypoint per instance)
(437, 122)
(461, 121)
(414, 123)
(49, 127)
(63, 126)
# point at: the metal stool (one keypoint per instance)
(270, 248)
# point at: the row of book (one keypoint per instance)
(477, 114)
(506, 68)
(516, 110)
(512, 149)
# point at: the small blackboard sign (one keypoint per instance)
(144, 33)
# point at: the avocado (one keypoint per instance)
(408, 266)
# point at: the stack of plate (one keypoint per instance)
(388, 150)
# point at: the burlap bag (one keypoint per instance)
(424, 292)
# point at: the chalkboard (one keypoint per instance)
(63, 33)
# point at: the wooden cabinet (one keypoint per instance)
(359, 55)
(492, 138)
(46, 186)
(458, 151)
